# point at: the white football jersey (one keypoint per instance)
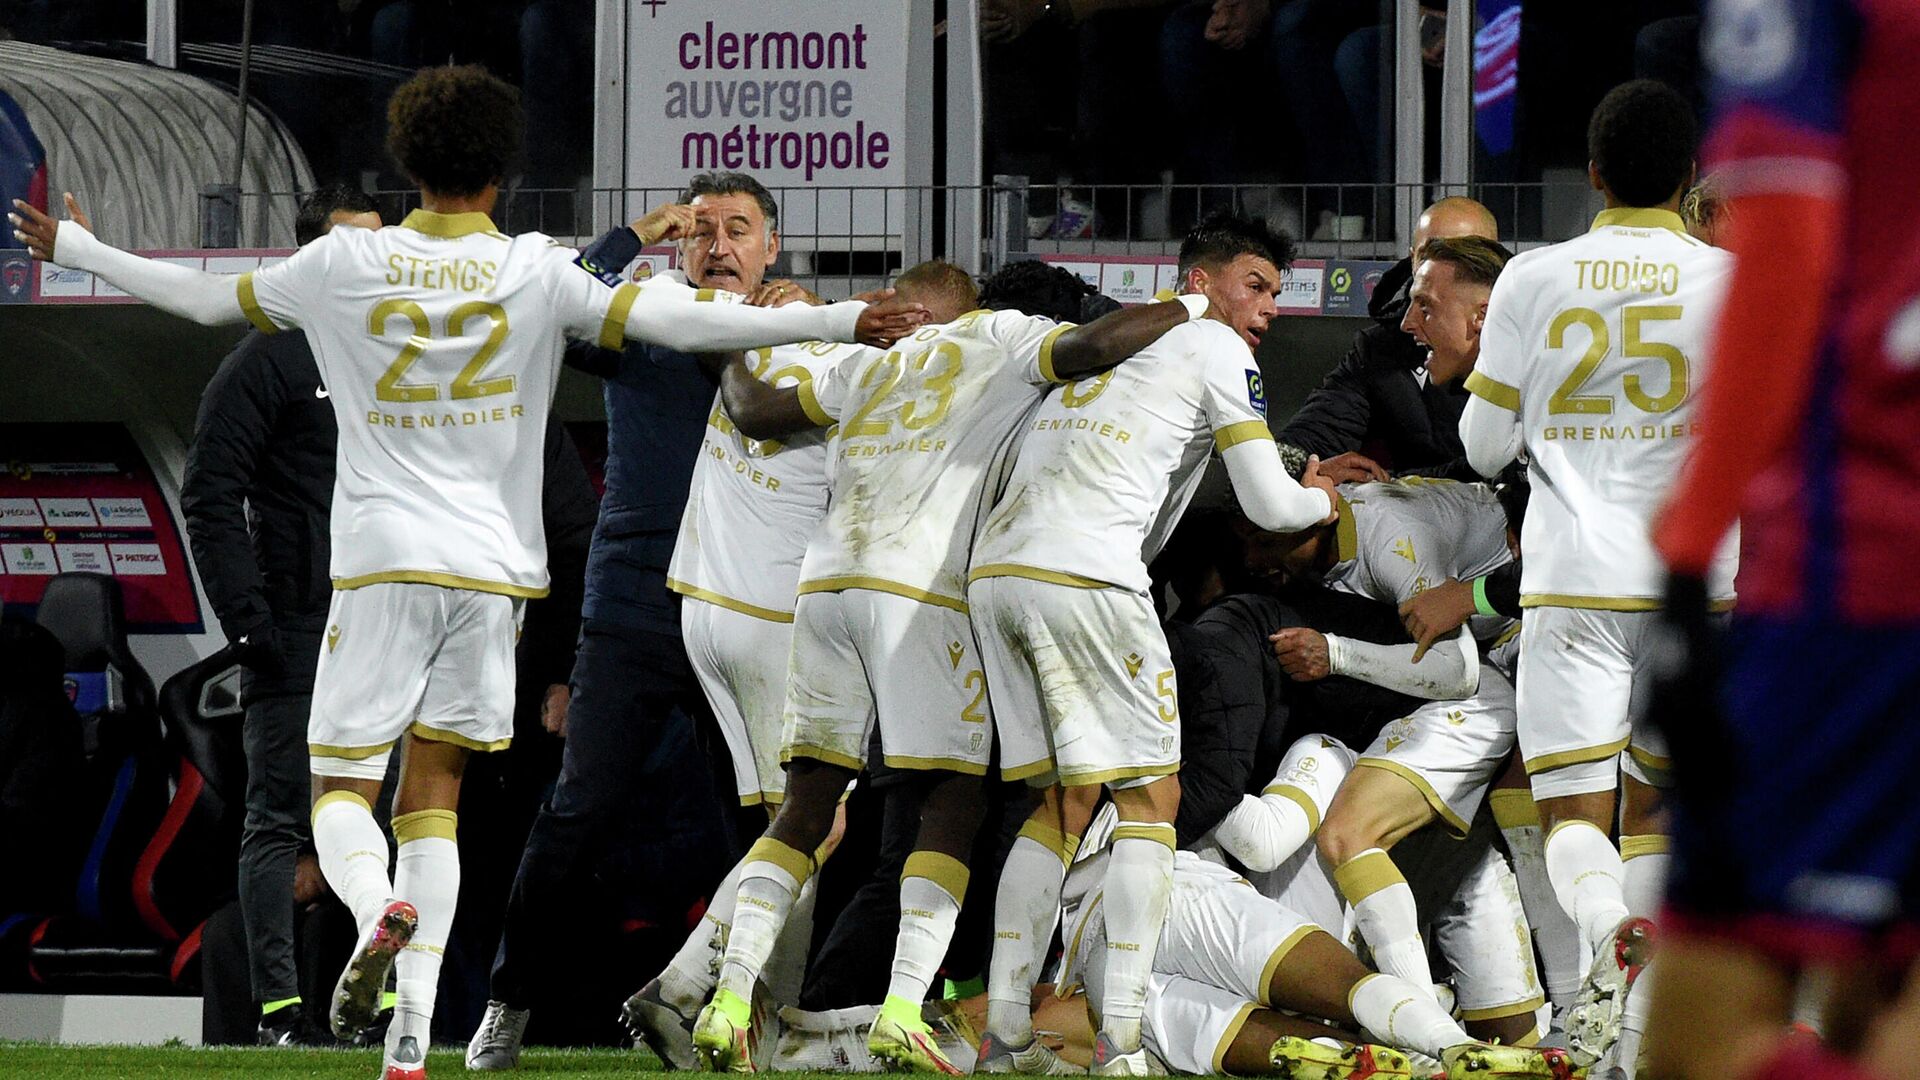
(1598, 346)
(1398, 538)
(921, 428)
(754, 504)
(1107, 466)
(439, 341)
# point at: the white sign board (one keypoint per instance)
(809, 96)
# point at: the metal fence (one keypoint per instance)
(840, 240)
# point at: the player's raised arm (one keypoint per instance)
(764, 411)
(207, 299)
(696, 327)
(1096, 346)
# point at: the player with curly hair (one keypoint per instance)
(439, 341)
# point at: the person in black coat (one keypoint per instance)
(1377, 412)
(257, 497)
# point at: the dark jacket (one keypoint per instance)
(1239, 712)
(257, 497)
(657, 404)
(1376, 402)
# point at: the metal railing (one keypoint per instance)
(848, 239)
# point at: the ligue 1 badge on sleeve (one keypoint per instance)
(1256, 392)
(16, 276)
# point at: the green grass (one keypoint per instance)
(39, 1062)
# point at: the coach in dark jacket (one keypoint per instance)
(1378, 404)
(257, 496)
(632, 679)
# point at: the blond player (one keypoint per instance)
(753, 507)
(1077, 664)
(1588, 361)
(881, 629)
(440, 342)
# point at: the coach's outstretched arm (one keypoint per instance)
(208, 299)
(1094, 347)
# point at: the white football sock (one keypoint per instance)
(1586, 873)
(1645, 860)
(1388, 919)
(1024, 911)
(769, 879)
(687, 981)
(931, 888)
(352, 852)
(786, 967)
(1562, 953)
(1138, 891)
(1395, 1012)
(426, 875)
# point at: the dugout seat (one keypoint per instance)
(101, 941)
(187, 868)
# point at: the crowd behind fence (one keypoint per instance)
(841, 240)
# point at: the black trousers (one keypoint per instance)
(279, 794)
(627, 683)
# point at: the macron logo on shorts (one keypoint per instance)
(1256, 392)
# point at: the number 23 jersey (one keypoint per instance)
(1599, 347)
(921, 431)
(439, 340)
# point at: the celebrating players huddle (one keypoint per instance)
(931, 514)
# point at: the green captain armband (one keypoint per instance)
(1480, 603)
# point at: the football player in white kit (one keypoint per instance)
(753, 507)
(440, 342)
(1589, 358)
(1076, 662)
(1438, 762)
(882, 630)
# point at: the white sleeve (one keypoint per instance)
(1265, 830)
(1029, 340)
(826, 399)
(1268, 495)
(704, 327)
(207, 299)
(1490, 424)
(1449, 671)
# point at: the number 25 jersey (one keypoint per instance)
(439, 340)
(1598, 345)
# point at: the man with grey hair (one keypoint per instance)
(1380, 401)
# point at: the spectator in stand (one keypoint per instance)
(1378, 411)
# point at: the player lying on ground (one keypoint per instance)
(1244, 983)
(436, 509)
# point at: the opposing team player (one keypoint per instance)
(1588, 360)
(1795, 834)
(440, 342)
(881, 628)
(753, 507)
(1075, 658)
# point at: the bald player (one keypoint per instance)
(1379, 405)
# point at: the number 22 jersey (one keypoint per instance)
(439, 340)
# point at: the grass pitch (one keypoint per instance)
(40, 1062)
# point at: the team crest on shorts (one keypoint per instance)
(1256, 392)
